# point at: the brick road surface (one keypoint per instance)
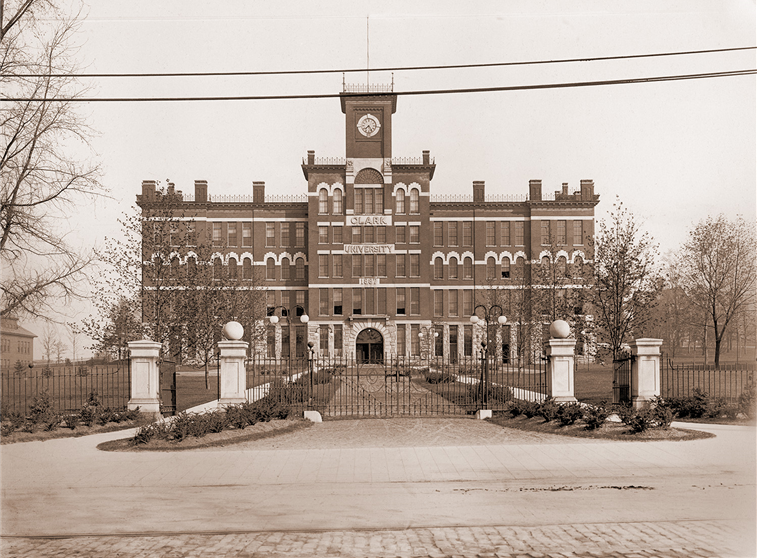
(630, 540)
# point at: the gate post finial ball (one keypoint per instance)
(559, 329)
(233, 331)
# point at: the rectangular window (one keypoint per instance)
(337, 302)
(232, 234)
(357, 265)
(270, 234)
(545, 240)
(323, 305)
(562, 234)
(358, 201)
(368, 234)
(337, 265)
(468, 340)
(415, 265)
(286, 348)
(300, 235)
(191, 234)
(467, 302)
(438, 234)
(300, 333)
(285, 233)
(369, 263)
(381, 265)
(323, 335)
(438, 303)
(415, 235)
(467, 233)
(286, 268)
(401, 301)
(300, 302)
(173, 234)
(271, 341)
(578, 233)
(415, 345)
(381, 235)
(338, 339)
(504, 233)
(323, 265)
(401, 340)
(491, 233)
(246, 234)
(369, 301)
(452, 233)
(217, 234)
(381, 301)
(357, 301)
(357, 235)
(400, 234)
(270, 302)
(368, 195)
(337, 234)
(519, 233)
(453, 303)
(378, 201)
(415, 300)
(400, 265)
(323, 235)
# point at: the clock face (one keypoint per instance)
(368, 125)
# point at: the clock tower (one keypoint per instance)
(368, 118)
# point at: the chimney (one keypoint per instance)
(171, 188)
(201, 190)
(478, 190)
(258, 189)
(564, 188)
(534, 190)
(148, 190)
(587, 190)
(311, 157)
(426, 157)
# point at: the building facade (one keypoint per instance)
(379, 264)
(17, 344)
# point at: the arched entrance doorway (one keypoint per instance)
(369, 347)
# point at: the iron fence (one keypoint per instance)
(68, 387)
(621, 380)
(728, 381)
(396, 385)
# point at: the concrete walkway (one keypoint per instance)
(392, 487)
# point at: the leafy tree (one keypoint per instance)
(627, 281)
(719, 272)
(40, 177)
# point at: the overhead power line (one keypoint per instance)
(566, 85)
(394, 69)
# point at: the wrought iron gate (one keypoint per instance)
(621, 380)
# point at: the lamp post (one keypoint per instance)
(311, 353)
(431, 338)
(274, 319)
(489, 316)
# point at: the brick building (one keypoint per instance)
(17, 344)
(377, 262)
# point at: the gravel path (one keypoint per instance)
(404, 432)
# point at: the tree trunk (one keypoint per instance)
(207, 374)
(718, 340)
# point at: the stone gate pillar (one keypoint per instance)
(233, 352)
(645, 371)
(561, 363)
(145, 376)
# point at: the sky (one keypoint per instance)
(672, 152)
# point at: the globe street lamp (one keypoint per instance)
(274, 319)
(489, 315)
(311, 354)
(421, 336)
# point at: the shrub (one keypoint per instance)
(236, 417)
(570, 413)
(595, 415)
(41, 408)
(107, 415)
(747, 400)
(188, 424)
(15, 419)
(657, 415)
(47, 372)
(515, 408)
(51, 421)
(530, 408)
(548, 409)
(89, 414)
(72, 421)
(440, 377)
(217, 421)
(6, 429)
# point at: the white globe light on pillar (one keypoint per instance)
(274, 319)
(502, 320)
(304, 318)
(474, 319)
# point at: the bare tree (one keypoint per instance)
(49, 338)
(627, 281)
(60, 350)
(719, 272)
(73, 337)
(41, 178)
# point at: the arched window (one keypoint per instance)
(453, 267)
(247, 267)
(232, 268)
(400, 197)
(578, 268)
(337, 198)
(323, 201)
(175, 268)
(300, 269)
(414, 206)
(467, 268)
(217, 269)
(490, 268)
(270, 269)
(438, 268)
(505, 268)
(562, 266)
(285, 270)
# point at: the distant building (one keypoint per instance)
(378, 262)
(16, 344)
